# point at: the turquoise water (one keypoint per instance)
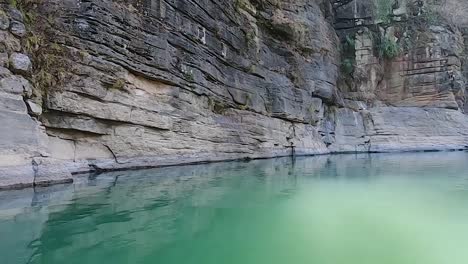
(353, 209)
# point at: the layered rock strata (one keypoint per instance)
(115, 84)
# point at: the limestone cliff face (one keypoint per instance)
(108, 84)
(404, 72)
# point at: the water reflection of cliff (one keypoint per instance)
(129, 216)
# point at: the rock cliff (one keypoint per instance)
(89, 85)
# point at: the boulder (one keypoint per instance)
(20, 63)
(15, 14)
(18, 29)
(34, 108)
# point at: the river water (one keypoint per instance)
(344, 209)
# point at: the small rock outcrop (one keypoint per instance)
(114, 84)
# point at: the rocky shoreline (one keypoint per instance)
(51, 173)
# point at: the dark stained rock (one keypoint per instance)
(18, 29)
(15, 14)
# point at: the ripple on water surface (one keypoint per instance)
(363, 209)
